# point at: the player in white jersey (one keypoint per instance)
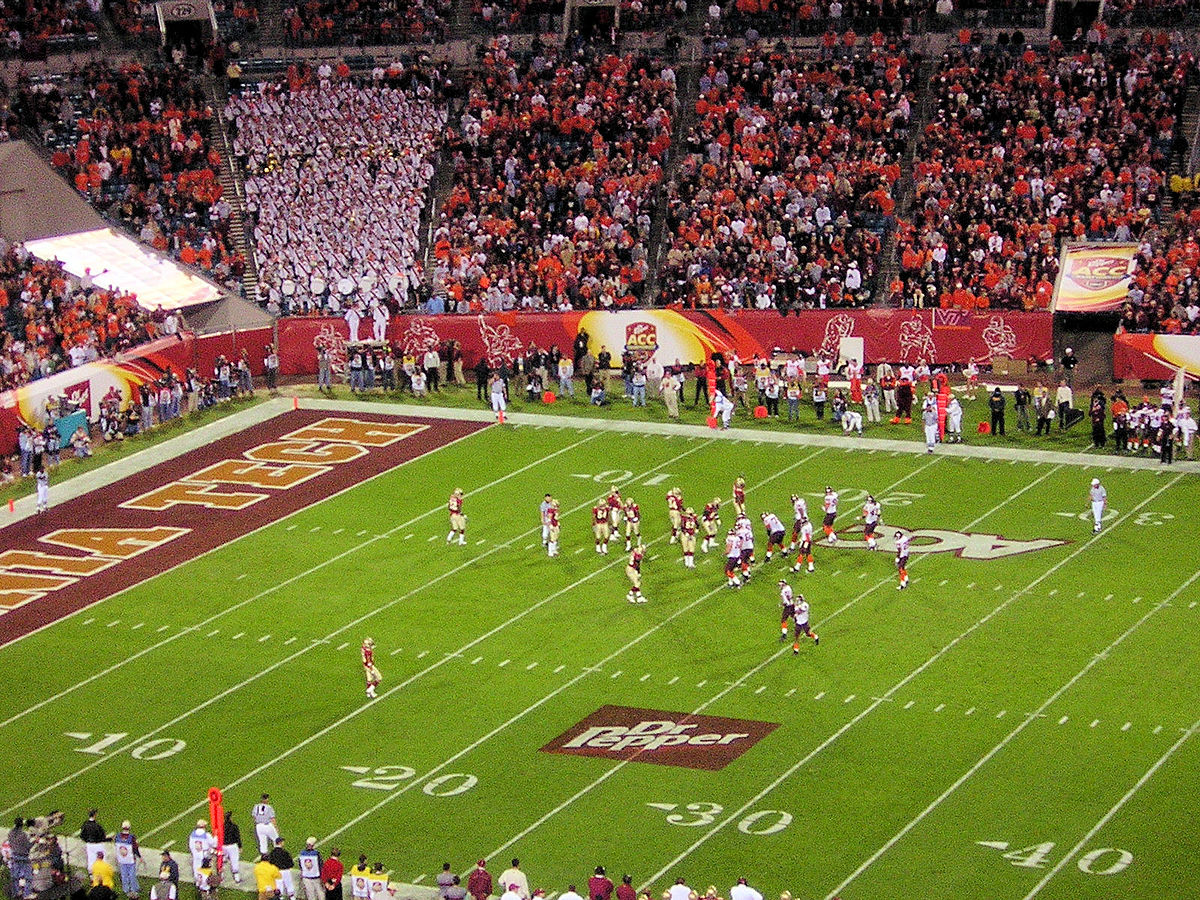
(871, 514)
(1099, 498)
(745, 533)
(800, 509)
(43, 490)
(544, 510)
(733, 558)
(806, 544)
(265, 827)
(785, 609)
(902, 540)
(775, 533)
(800, 617)
(201, 844)
(830, 507)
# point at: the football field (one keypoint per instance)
(1018, 723)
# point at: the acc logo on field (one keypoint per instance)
(664, 738)
(641, 337)
(1099, 272)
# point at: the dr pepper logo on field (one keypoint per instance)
(641, 337)
(665, 738)
(1098, 273)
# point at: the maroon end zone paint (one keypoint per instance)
(663, 738)
(209, 528)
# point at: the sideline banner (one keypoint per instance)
(1152, 357)
(1093, 277)
(889, 335)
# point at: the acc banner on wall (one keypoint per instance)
(1094, 277)
(1155, 357)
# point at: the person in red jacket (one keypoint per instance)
(600, 887)
(479, 883)
(331, 875)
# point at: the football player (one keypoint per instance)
(688, 526)
(871, 514)
(372, 673)
(902, 540)
(785, 611)
(675, 511)
(806, 542)
(458, 522)
(615, 506)
(739, 495)
(800, 508)
(830, 505)
(552, 527)
(633, 571)
(745, 533)
(775, 533)
(800, 617)
(710, 520)
(600, 527)
(733, 558)
(543, 509)
(633, 523)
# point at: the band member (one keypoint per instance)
(675, 511)
(871, 514)
(710, 520)
(368, 661)
(739, 495)
(552, 527)
(830, 506)
(745, 533)
(902, 540)
(775, 533)
(633, 523)
(458, 522)
(615, 506)
(633, 571)
(733, 558)
(800, 617)
(800, 509)
(600, 526)
(806, 542)
(688, 526)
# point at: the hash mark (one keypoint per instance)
(862, 574)
(113, 623)
(477, 660)
(164, 628)
(1063, 720)
(943, 582)
(971, 586)
(789, 693)
(419, 879)
(910, 704)
(290, 640)
(1095, 722)
(654, 557)
(432, 538)
(1137, 599)
(361, 533)
(819, 696)
(243, 575)
(837, 573)
(1192, 604)
(314, 528)
(240, 634)
(1052, 593)
(1081, 594)
(409, 537)
(532, 665)
(1110, 596)
(1157, 729)
(397, 650)
(577, 552)
(851, 697)
(137, 626)
(530, 546)
(480, 541)
(265, 637)
(1126, 726)
(90, 621)
(342, 646)
(939, 707)
(644, 677)
(673, 680)
(1000, 715)
(761, 689)
(970, 711)
(703, 683)
(291, 528)
(422, 654)
(504, 663)
(559, 669)
(339, 531)
(616, 674)
(214, 631)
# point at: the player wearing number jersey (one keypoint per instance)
(830, 506)
(615, 506)
(785, 610)
(745, 533)
(674, 511)
(688, 526)
(806, 542)
(600, 526)
(800, 618)
(543, 509)
(902, 540)
(368, 661)
(733, 558)
(710, 521)
(739, 495)
(552, 528)
(633, 523)
(458, 522)
(800, 510)
(775, 533)
(633, 571)
(871, 514)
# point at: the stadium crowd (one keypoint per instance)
(336, 180)
(1164, 295)
(1026, 148)
(366, 22)
(27, 28)
(556, 160)
(786, 185)
(134, 140)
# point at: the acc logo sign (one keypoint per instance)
(641, 337)
(653, 736)
(1099, 273)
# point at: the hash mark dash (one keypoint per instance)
(343, 645)
(939, 707)
(113, 624)
(580, 550)
(213, 632)
(702, 683)
(422, 654)
(265, 637)
(240, 634)
(361, 533)
(137, 626)
(673, 680)
(1157, 729)
(819, 696)
(943, 582)
(314, 528)
(504, 663)
(761, 689)
(645, 677)
(851, 697)
(1001, 714)
(292, 527)
(1063, 720)
(1095, 722)
(397, 650)
(970, 712)
(290, 640)
(90, 621)
(616, 674)
(1126, 726)
(339, 530)
(789, 693)
(910, 704)
(532, 665)
(162, 629)
(477, 660)
(559, 669)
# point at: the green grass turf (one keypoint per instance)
(1078, 438)
(490, 651)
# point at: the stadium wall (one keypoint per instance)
(1155, 357)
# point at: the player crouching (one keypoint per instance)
(372, 673)
(633, 571)
(600, 527)
(733, 558)
(806, 543)
(902, 540)
(775, 533)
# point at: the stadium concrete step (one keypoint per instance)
(231, 186)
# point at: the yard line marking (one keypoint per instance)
(89, 621)
(580, 550)
(314, 528)
(364, 531)
(422, 654)
(532, 665)
(503, 663)
(644, 677)
(819, 696)
(1063, 720)
(939, 707)
(339, 530)
(1126, 726)
(789, 693)
(1095, 722)
(761, 689)
(292, 527)
(168, 844)
(342, 646)
(910, 704)
(1116, 808)
(970, 711)
(477, 660)
(113, 623)
(1001, 714)
(265, 637)
(900, 685)
(137, 626)
(294, 578)
(1040, 711)
(702, 683)
(616, 674)
(290, 640)
(851, 697)
(1157, 729)
(213, 632)
(162, 629)
(673, 680)
(240, 634)
(559, 669)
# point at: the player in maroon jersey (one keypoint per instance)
(552, 528)
(689, 524)
(739, 495)
(615, 507)
(633, 571)
(600, 526)
(458, 522)
(633, 523)
(674, 511)
(368, 661)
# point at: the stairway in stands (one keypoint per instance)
(231, 184)
(1181, 163)
(270, 23)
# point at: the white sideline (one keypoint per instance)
(1116, 808)
(433, 666)
(587, 670)
(316, 642)
(1008, 738)
(279, 585)
(753, 671)
(898, 686)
